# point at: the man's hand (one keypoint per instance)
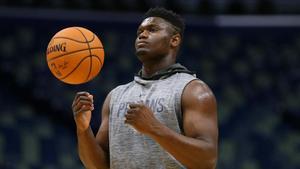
(82, 110)
(142, 118)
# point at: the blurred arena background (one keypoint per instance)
(247, 51)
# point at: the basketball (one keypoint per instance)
(75, 55)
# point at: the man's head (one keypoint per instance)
(159, 35)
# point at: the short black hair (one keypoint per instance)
(170, 16)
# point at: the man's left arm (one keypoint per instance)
(197, 148)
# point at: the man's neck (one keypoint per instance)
(149, 70)
(150, 67)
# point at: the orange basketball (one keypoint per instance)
(75, 55)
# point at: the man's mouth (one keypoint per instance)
(141, 44)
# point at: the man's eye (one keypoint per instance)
(152, 29)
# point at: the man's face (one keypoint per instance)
(153, 39)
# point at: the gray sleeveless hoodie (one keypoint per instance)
(162, 93)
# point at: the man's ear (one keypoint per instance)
(175, 40)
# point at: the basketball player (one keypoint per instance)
(165, 118)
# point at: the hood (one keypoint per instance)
(164, 73)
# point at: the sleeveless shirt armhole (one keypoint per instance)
(180, 104)
(110, 100)
(112, 97)
(113, 93)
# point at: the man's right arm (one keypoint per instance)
(93, 152)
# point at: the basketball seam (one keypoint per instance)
(62, 37)
(79, 65)
(91, 61)
(56, 57)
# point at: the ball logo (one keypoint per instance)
(59, 67)
(61, 47)
(58, 73)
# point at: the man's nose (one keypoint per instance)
(143, 34)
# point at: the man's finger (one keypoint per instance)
(90, 97)
(129, 116)
(128, 121)
(84, 98)
(135, 105)
(86, 103)
(130, 111)
(82, 93)
(78, 94)
(79, 103)
(83, 109)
